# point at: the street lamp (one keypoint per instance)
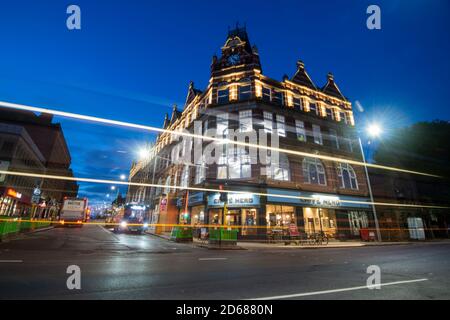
(373, 130)
(123, 177)
(113, 188)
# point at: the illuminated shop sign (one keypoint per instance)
(308, 199)
(13, 193)
(234, 200)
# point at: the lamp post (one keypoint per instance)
(373, 130)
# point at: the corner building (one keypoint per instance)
(307, 118)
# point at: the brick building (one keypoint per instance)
(307, 191)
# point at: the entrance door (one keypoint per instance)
(416, 230)
(357, 221)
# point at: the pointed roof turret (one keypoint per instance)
(166, 121)
(175, 114)
(192, 93)
(302, 78)
(332, 89)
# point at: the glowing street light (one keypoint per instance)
(143, 153)
(123, 177)
(113, 188)
(374, 130)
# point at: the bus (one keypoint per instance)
(133, 217)
(73, 212)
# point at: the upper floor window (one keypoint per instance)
(278, 170)
(268, 122)
(347, 176)
(330, 115)
(277, 97)
(185, 177)
(245, 91)
(245, 121)
(313, 108)
(158, 189)
(167, 185)
(314, 171)
(266, 94)
(348, 143)
(234, 164)
(200, 171)
(300, 130)
(343, 116)
(298, 103)
(223, 95)
(317, 134)
(334, 138)
(281, 127)
(222, 124)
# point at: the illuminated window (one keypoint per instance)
(317, 134)
(347, 176)
(223, 96)
(281, 127)
(245, 121)
(313, 171)
(300, 130)
(268, 122)
(234, 164)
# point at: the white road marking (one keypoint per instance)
(295, 295)
(207, 259)
(11, 261)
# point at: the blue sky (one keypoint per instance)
(132, 59)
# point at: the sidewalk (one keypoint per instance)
(249, 245)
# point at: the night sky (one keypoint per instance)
(133, 59)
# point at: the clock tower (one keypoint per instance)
(237, 54)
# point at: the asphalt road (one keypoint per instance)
(147, 267)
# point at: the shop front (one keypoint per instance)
(242, 210)
(14, 203)
(337, 216)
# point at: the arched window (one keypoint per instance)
(347, 176)
(185, 177)
(167, 185)
(314, 172)
(278, 170)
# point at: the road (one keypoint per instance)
(122, 266)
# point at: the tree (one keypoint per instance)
(423, 147)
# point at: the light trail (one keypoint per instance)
(151, 185)
(171, 225)
(197, 136)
